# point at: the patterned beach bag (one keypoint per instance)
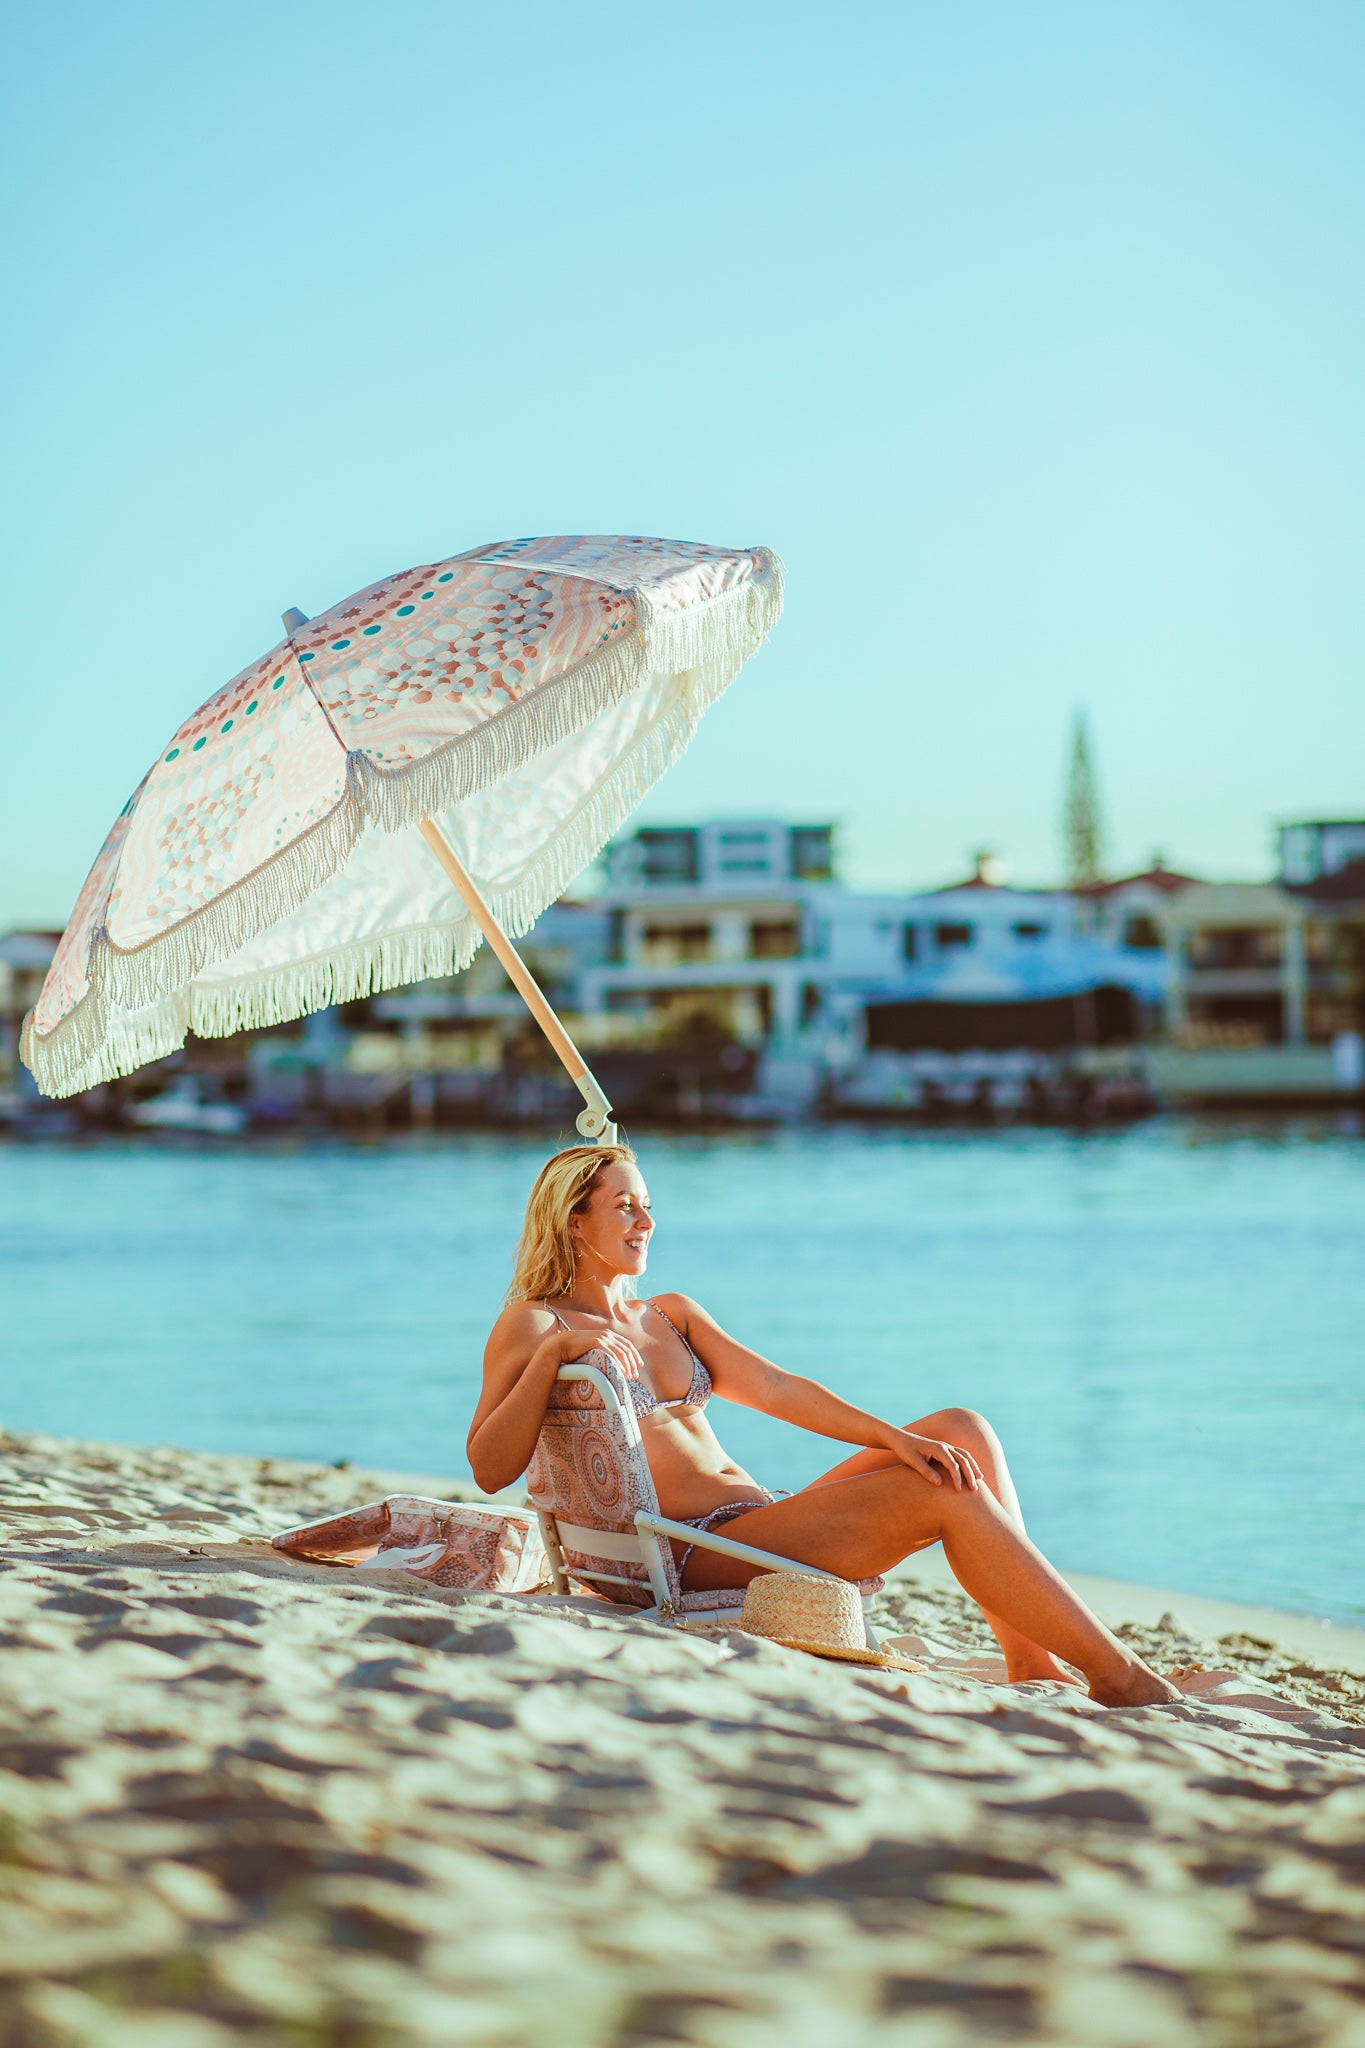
(447, 1542)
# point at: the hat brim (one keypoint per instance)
(881, 1660)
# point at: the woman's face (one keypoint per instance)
(611, 1235)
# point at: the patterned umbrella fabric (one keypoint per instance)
(525, 696)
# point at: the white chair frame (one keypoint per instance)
(646, 1546)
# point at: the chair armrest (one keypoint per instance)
(705, 1539)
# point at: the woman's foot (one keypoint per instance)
(1035, 1664)
(1134, 1686)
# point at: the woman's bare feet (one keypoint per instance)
(1036, 1664)
(1137, 1686)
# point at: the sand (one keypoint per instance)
(245, 1800)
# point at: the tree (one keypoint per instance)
(1082, 827)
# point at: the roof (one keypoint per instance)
(1163, 878)
(976, 887)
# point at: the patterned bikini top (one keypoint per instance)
(643, 1399)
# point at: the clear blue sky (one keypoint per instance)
(1030, 335)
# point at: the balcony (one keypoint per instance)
(674, 945)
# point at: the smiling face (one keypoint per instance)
(611, 1234)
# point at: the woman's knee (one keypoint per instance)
(963, 1426)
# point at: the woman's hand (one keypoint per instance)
(923, 1454)
(575, 1344)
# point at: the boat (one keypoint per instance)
(186, 1106)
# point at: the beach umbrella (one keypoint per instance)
(431, 761)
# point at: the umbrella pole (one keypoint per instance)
(594, 1122)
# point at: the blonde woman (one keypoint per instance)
(941, 1479)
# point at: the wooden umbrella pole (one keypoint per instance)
(594, 1122)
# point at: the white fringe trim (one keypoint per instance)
(141, 1003)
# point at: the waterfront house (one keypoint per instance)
(1131, 911)
(1267, 987)
(741, 928)
(1320, 848)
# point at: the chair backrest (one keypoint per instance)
(590, 1472)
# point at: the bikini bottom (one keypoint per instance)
(726, 1512)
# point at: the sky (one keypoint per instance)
(1031, 337)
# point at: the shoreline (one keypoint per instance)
(1119, 1601)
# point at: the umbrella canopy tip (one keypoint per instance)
(293, 619)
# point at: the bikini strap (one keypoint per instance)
(669, 1320)
(555, 1313)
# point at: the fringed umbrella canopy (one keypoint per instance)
(521, 697)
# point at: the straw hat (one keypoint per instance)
(824, 1616)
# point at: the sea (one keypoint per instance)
(1165, 1322)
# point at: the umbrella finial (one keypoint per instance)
(293, 619)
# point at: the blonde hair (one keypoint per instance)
(543, 1266)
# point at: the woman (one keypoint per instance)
(942, 1479)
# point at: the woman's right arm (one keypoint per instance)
(524, 1353)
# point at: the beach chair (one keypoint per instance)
(590, 1483)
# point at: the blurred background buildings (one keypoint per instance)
(723, 971)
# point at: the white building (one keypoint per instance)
(725, 918)
(744, 921)
(1322, 847)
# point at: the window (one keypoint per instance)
(616, 938)
(1030, 931)
(1233, 947)
(946, 935)
(1142, 934)
(668, 854)
(773, 941)
(909, 941)
(670, 945)
(812, 853)
(745, 851)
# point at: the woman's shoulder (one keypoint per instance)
(520, 1320)
(679, 1308)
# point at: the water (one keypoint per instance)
(1167, 1323)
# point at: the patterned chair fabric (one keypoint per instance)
(590, 1469)
(447, 1542)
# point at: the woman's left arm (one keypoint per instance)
(753, 1381)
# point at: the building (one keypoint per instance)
(720, 926)
(1322, 848)
(748, 919)
(1275, 963)
(1131, 912)
(741, 931)
(981, 964)
(1267, 986)
(1322, 867)
(25, 957)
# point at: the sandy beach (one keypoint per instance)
(243, 1799)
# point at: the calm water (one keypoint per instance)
(1167, 1323)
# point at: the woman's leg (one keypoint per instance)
(869, 1521)
(971, 1432)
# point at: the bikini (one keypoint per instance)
(645, 1401)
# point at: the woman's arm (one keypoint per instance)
(524, 1353)
(753, 1381)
